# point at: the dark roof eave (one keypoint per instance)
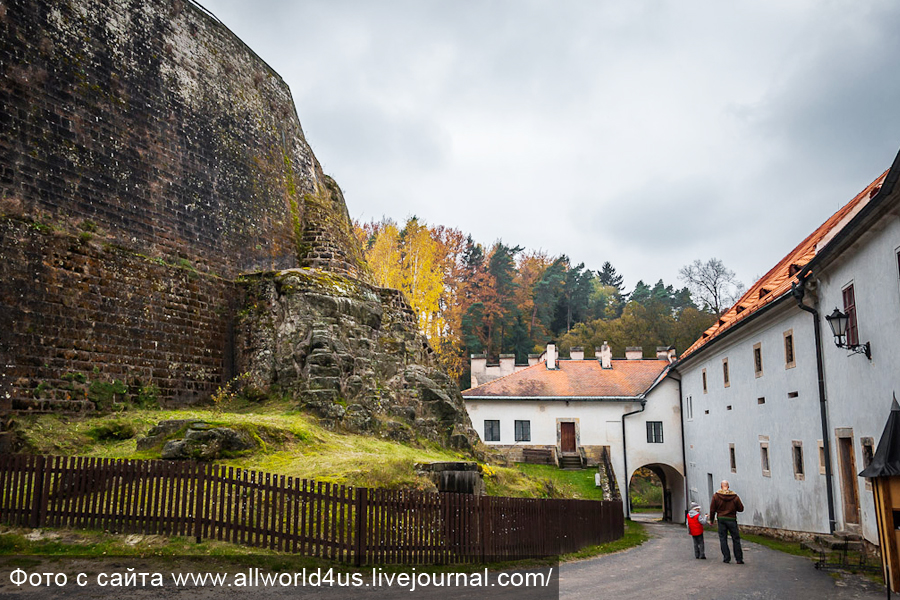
(639, 398)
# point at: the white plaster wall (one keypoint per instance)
(779, 500)
(598, 423)
(590, 417)
(662, 405)
(859, 391)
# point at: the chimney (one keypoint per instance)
(551, 356)
(576, 353)
(604, 353)
(662, 353)
(634, 353)
(478, 369)
(507, 364)
(672, 355)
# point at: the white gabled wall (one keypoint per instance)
(859, 391)
(779, 500)
(598, 423)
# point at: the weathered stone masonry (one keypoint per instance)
(148, 160)
(77, 310)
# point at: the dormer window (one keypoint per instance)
(763, 292)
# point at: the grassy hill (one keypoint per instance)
(290, 442)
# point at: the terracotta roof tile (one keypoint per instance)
(777, 282)
(575, 378)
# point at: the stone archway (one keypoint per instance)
(673, 501)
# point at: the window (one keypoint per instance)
(793, 394)
(689, 408)
(821, 457)
(728, 407)
(789, 362)
(492, 431)
(654, 432)
(523, 431)
(798, 459)
(764, 456)
(704, 380)
(757, 359)
(731, 458)
(761, 400)
(850, 310)
(725, 372)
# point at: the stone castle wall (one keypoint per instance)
(149, 160)
(80, 314)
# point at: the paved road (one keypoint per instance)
(665, 568)
(662, 568)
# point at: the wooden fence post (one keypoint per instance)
(37, 492)
(485, 502)
(362, 507)
(199, 481)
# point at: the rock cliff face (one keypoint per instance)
(351, 352)
(152, 168)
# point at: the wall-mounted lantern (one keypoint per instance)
(838, 322)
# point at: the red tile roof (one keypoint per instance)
(575, 379)
(777, 282)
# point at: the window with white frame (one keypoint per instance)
(757, 359)
(491, 430)
(764, 457)
(523, 431)
(797, 455)
(654, 432)
(849, 296)
(789, 359)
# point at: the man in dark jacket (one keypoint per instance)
(726, 505)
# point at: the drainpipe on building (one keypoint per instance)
(626, 478)
(683, 443)
(798, 291)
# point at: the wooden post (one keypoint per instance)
(199, 481)
(485, 502)
(362, 506)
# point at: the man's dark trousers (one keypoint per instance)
(727, 526)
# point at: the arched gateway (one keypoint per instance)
(673, 499)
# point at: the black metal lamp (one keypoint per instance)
(838, 322)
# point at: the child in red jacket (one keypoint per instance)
(695, 522)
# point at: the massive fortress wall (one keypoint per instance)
(143, 144)
(148, 160)
(154, 122)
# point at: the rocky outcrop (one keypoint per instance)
(351, 353)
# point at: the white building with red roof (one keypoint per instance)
(771, 404)
(618, 414)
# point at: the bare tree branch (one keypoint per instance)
(712, 283)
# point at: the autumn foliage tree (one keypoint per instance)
(472, 299)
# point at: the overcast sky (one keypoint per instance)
(645, 133)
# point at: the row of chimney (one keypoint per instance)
(604, 354)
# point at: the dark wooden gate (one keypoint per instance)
(567, 437)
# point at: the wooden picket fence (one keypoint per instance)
(313, 518)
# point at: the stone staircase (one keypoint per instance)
(841, 541)
(570, 462)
